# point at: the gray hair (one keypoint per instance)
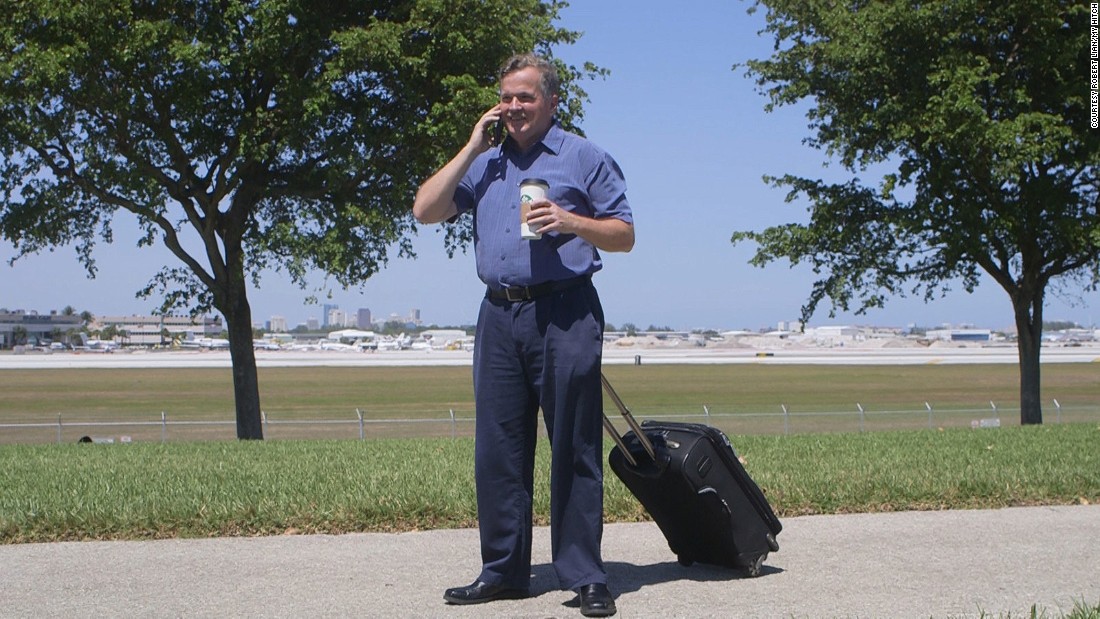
(550, 81)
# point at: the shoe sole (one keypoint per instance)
(507, 594)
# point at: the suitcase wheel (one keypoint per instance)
(774, 545)
(684, 560)
(757, 563)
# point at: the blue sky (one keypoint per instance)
(694, 141)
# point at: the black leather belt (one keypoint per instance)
(526, 293)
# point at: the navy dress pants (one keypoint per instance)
(541, 353)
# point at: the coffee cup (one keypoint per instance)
(531, 190)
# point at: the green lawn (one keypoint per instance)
(741, 399)
(214, 488)
(415, 475)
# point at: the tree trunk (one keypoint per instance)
(1029, 330)
(246, 384)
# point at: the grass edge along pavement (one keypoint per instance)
(1081, 610)
(211, 489)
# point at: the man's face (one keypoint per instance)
(526, 111)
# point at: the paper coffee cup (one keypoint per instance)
(530, 190)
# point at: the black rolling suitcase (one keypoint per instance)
(689, 479)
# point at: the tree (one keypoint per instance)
(280, 136)
(110, 333)
(19, 335)
(982, 109)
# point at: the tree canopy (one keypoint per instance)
(246, 136)
(980, 112)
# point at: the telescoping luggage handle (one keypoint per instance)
(630, 421)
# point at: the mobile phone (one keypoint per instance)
(496, 133)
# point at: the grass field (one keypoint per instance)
(741, 399)
(216, 488)
(224, 487)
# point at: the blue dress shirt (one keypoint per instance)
(583, 179)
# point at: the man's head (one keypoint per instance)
(529, 87)
(549, 80)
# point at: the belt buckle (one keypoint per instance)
(521, 291)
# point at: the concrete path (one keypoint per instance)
(914, 564)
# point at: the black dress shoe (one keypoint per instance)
(596, 601)
(482, 592)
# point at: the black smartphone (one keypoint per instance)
(496, 133)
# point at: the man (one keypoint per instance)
(539, 333)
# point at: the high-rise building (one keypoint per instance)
(363, 318)
(326, 310)
(277, 324)
(337, 319)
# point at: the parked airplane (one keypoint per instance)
(98, 346)
(94, 344)
(204, 343)
(330, 345)
(401, 342)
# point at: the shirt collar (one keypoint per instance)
(554, 138)
(551, 141)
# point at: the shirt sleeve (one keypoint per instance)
(464, 195)
(607, 191)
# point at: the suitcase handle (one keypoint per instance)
(630, 421)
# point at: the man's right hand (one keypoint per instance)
(479, 139)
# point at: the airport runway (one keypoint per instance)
(613, 355)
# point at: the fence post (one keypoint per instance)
(454, 428)
(1058, 413)
(860, 407)
(706, 414)
(163, 427)
(929, 407)
(360, 414)
(263, 420)
(786, 419)
(59, 428)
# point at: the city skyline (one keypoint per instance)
(355, 319)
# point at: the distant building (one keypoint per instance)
(1070, 336)
(336, 318)
(960, 335)
(153, 330)
(362, 318)
(835, 334)
(277, 324)
(34, 329)
(789, 325)
(326, 312)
